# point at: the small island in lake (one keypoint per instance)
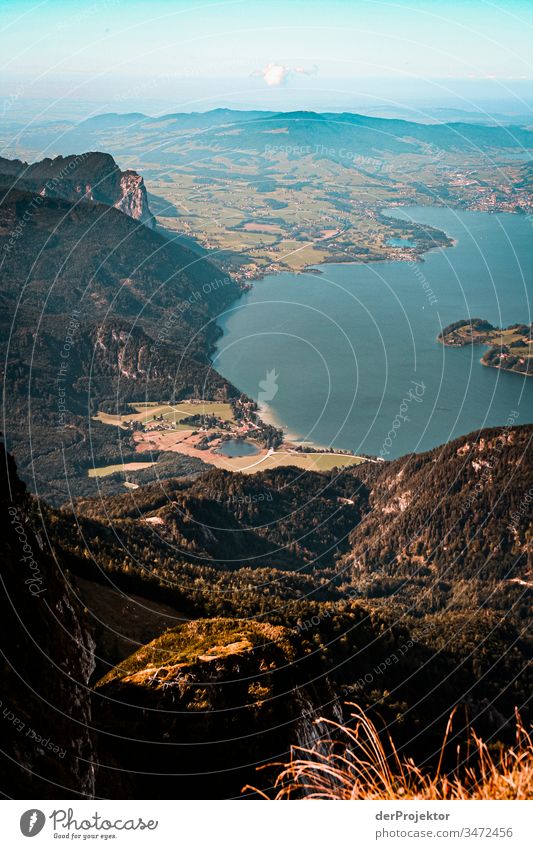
(510, 347)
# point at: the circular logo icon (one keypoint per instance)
(32, 822)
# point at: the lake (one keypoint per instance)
(237, 448)
(349, 357)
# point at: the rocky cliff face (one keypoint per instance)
(124, 366)
(87, 176)
(92, 264)
(134, 200)
(45, 711)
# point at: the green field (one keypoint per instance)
(311, 461)
(104, 471)
(314, 209)
(175, 413)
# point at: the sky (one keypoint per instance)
(159, 55)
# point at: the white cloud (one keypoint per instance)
(275, 74)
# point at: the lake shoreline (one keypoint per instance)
(416, 255)
(382, 302)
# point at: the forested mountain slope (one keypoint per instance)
(96, 308)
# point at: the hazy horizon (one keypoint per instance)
(70, 60)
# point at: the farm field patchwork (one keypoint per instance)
(157, 428)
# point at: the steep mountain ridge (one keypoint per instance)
(455, 510)
(90, 176)
(97, 308)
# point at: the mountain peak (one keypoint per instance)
(92, 176)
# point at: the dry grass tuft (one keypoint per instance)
(359, 768)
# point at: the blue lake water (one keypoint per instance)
(337, 356)
(237, 448)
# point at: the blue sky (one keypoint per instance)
(196, 55)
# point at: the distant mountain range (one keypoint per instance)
(136, 134)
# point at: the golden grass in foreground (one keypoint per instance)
(359, 768)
